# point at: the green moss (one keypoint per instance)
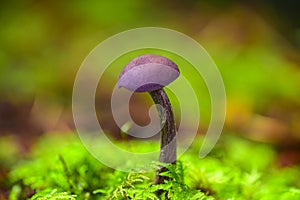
(59, 167)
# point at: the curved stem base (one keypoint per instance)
(168, 131)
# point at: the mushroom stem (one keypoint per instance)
(168, 132)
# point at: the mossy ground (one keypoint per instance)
(59, 167)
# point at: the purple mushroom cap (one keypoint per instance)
(147, 73)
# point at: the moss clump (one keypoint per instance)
(59, 167)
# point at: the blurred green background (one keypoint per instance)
(255, 45)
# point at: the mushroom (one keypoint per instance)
(150, 73)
